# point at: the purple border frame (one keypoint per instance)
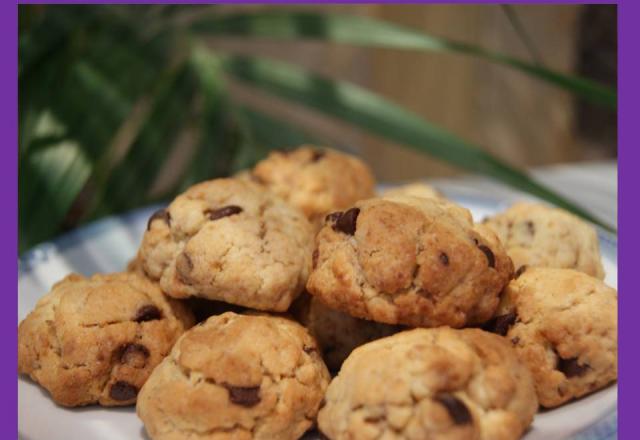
(629, 213)
(312, 2)
(9, 222)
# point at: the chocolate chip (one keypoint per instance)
(159, 214)
(308, 349)
(226, 211)
(456, 408)
(531, 227)
(245, 396)
(122, 391)
(315, 256)
(148, 312)
(515, 340)
(571, 368)
(134, 354)
(491, 259)
(347, 221)
(317, 155)
(500, 324)
(520, 271)
(333, 217)
(444, 258)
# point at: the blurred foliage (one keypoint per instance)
(108, 93)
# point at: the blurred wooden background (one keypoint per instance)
(520, 119)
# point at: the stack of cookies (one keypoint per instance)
(320, 303)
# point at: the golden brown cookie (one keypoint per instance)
(135, 265)
(338, 333)
(435, 384)
(96, 340)
(229, 240)
(415, 189)
(563, 325)
(316, 180)
(537, 235)
(409, 260)
(236, 377)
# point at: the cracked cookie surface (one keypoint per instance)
(236, 377)
(229, 240)
(96, 340)
(436, 384)
(563, 325)
(316, 180)
(541, 236)
(409, 260)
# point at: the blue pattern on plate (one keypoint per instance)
(604, 429)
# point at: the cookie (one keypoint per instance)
(135, 265)
(415, 189)
(412, 261)
(338, 333)
(452, 208)
(96, 340)
(200, 308)
(203, 309)
(316, 180)
(236, 377)
(229, 240)
(563, 325)
(430, 384)
(537, 235)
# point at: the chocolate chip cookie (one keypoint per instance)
(229, 240)
(236, 376)
(96, 340)
(430, 384)
(338, 333)
(135, 265)
(409, 260)
(415, 189)
(538, 235)
(316, 180)
(563, 325)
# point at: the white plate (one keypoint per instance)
(107, 245)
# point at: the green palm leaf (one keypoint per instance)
(272, 133)
(49, 180)
(377, 115)
(220, 132)
(129, 182)
(361, 31)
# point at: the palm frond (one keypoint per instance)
(362, 31)
(375, 114)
